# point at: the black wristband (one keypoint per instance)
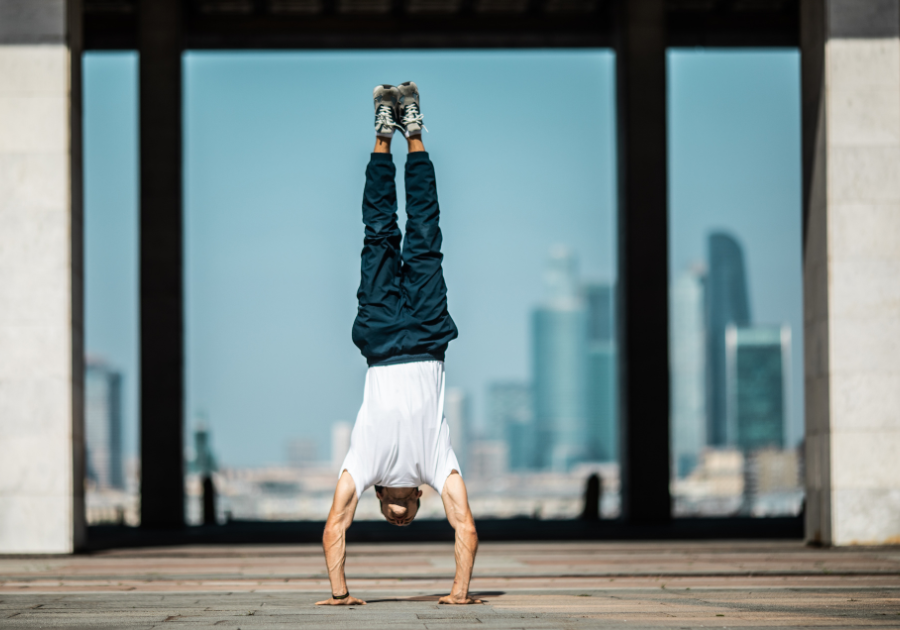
(344, 596)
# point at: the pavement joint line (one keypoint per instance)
(496, 576)
(508, 591)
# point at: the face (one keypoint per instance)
(399, 505)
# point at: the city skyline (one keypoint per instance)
(252, 244)
(730, 377)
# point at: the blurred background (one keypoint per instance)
(524, 146)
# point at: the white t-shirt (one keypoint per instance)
(401, 438)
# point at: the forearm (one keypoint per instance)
(465, 549)
(335, 543)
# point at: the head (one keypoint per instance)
(399, 505)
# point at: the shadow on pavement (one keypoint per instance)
(433, 598)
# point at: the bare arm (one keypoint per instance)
(334, 540)
(456, 505)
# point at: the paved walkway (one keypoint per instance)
(539, 585)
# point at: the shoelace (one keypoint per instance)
(412, 115)
(384, 117)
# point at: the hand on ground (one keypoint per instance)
(459, 600)
(349, 601)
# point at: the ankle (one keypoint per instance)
(382, 145)
(415, 143)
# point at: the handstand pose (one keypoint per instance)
(401, 438)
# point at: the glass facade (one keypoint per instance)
(735, 283)
(757, 359)
(103, 426)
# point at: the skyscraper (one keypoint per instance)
(340, 443)
(688, 342)
(204, 460)
(456, 410)
(560, 366)
(727, 304)
(602, 415)
(103, 425)
(757, 360)
(511, 410)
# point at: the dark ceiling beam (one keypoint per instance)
(723, 25)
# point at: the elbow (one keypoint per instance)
(466, 529)
(334, 529)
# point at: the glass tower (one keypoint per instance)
(511, 410)
(757, 366)
(601, 373)
(560, 366)
(688, 334)
(103, 425)
(727, 304)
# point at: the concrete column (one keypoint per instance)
(162, 302)
(643, 255)
(41, 353)
(851, 117)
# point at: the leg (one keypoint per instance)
(379, 314)
(423, 286)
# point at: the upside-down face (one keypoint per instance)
(399, 505)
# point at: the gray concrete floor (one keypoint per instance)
(540, 585)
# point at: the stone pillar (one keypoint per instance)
(851, 142)
(41, 312)
(162, 302)
(643, 250)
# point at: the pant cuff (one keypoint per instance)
(417, 156)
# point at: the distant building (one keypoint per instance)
(488, 460)
(204, 460)
(456, 410)
(688, 359)
(772, 482)
(511, 412)
(757, 360)
(600, 302)
(302, 453)
(560, 366)
(727, 304)
(103, 425)
(340, 443)
(602, 411)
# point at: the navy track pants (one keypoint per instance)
(402, 295)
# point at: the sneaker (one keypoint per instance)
(387, 99)
(410, 116)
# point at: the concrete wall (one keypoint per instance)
(851, 85)
(41, 443)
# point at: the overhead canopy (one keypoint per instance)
(236, 24)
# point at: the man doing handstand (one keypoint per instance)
(401, 439)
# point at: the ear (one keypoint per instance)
(418, 494)
(379, 495)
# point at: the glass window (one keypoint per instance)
(111, 295)
(276, 149)
(736, 288)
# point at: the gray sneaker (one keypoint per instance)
(410, 115)
(387, 100)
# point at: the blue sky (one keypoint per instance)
(524, 146)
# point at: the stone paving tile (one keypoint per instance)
(526, 586)
(641, 608)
